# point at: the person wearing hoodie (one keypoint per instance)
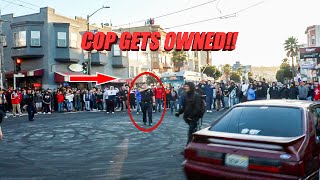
(111, 101)
(251, 94)
(46, 103)
(293, 91)
(138, 98)
(208, 91)
(274, 91)
(284, 92)
(303, 91)
(191, 108)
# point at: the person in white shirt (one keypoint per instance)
(244, 89)
(69, 98)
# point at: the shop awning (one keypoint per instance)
(122, 80)
(61, 77)
(31, 73)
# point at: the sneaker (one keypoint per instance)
(112, 112)
(150, 124)
(137, 112)
(43, 113)
(107, 112)
(32, 119)
(20, 115)
(49, 112)
(207, 111)
(14, 116)
(144, 123)
(39, 112)
(154, 111)
(6, 117)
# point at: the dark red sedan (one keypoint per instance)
(272, 139)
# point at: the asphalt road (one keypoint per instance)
(93, 145)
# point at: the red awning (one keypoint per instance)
(61, 77)
(31, 73)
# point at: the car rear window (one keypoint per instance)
(263, 121)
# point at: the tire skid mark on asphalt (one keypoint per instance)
(115, 170)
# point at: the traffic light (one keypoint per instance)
(84, 68)
(18, 65)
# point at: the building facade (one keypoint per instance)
(48, 43)
(196, 60)
(309, 56)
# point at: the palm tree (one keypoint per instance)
(291, 46)
(227, 71)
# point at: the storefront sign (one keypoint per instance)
(311, 52)
(75, 67)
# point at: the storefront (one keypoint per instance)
(32, 79)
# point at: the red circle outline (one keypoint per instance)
(164, 102)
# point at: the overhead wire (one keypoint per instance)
(168, 14)
(20, 5)
(219, 17)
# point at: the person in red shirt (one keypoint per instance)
(60, 100)
(316, 92)
(159, 97)
(15, 101)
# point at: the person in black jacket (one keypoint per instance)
(284, 92)
(274, 91)
(30, 105)
(261, 92)
(293, 91)
(191, 108)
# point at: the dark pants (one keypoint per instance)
(46, 108)
(223, 103)
(192, 129)
(3, 108)
(122, 104)
(110, 105)
(147, 108)
(99, 105)
(31, 111)
(209, 102)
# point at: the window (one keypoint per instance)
(4, 41)
(35, 38)
(315, 116)
(264, 121)
(116, 50)
(73, 40)
(20, 39)
(313, 40)
(131, 71)
(62, 39)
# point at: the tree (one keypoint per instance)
(227, 71)
(279, 76)
(178, 58)
(235, 77)
(250, 75)
(285, 72)
(239, 71)
(151, 80)
(291, 46)
(211, 71)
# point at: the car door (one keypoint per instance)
(315, 117)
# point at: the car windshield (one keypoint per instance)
(263, 121)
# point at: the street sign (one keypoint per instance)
(19, 75)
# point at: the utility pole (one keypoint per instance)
(89, 52)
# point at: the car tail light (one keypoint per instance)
(204, 156)
(266, 165)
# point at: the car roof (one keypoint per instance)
(284, 103)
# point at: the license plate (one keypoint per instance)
(237, 161)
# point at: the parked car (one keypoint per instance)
(270, 139)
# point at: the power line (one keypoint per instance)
(219, 17)
(28, 3)
(21, 5)
(8, 4)
(168, 14)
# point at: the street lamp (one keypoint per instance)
(89, 52)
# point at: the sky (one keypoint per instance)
(262, 28)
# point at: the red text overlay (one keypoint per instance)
(195, 41)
